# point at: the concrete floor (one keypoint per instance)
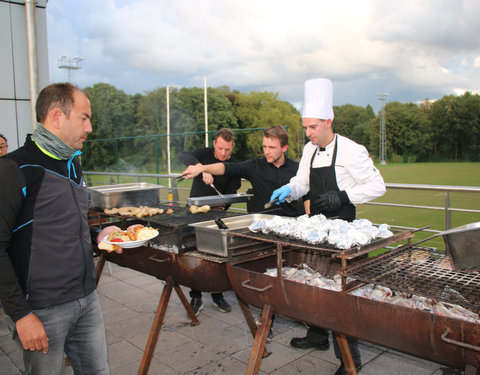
(221, 344)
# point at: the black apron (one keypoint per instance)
(324, 179)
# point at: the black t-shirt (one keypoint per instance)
(265, 178)
(225, 184)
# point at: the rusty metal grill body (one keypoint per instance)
(404, 329)
(449, 341)
(423, 271)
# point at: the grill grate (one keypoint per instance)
(422, 271)
(325, 246)
(181, 217)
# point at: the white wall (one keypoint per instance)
(15, 119)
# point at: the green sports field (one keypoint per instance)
(452, 174)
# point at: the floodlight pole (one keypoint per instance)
(70, 63)
(206, 109)
(383, 142)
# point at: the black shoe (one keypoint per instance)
(220, 303)
(270, 335)
(197, 305)
(342, 371)
(305, 343)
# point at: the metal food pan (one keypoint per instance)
(463, 245)
(214, 200)
(121, 195)
(212, 240)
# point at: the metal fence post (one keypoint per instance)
(448, 213)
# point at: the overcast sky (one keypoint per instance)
(410, 49)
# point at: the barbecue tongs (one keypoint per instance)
(182, 177)
(214, 188)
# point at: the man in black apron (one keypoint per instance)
(336, 173)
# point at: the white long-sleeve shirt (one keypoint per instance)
(355, 171)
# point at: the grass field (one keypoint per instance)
(451, 174)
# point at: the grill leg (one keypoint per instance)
(252, 325)
(260, 341)
(346, 355)
(187, 306)
(157, 324)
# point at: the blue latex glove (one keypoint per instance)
(280, 194)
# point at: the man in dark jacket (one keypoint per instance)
(47, 274)
(202, 186)
(265, 174)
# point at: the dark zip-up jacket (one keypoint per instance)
(46, 253)
(265, 178)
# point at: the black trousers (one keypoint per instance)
(198, 294)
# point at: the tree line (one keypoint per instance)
(129, 130)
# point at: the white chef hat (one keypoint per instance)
(318, 101)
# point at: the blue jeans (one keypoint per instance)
(74, 328)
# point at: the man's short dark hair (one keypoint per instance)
(56, 95)
(2, 136)
(277, 132)
(226, 134)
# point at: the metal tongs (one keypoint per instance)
(180, 178)
(214, 188)
(270, 204)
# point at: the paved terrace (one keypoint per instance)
(221, 344)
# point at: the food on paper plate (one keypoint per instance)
(197, 210)
(134, 236)
(136, 232)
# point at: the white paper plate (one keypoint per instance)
(130, 244)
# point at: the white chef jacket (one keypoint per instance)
(354, 170)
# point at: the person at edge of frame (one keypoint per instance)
(47, 274)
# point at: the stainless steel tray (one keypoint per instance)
(212, 240)
(463, 245)
(213, 200)
(132, 194)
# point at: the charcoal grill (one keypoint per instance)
(171, 257)
(449, 341)
(423, 271)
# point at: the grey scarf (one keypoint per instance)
(51, 143)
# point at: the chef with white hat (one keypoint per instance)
(337, 173)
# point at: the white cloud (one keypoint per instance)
(416, 48)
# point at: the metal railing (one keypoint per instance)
(438, 188)
(171, 193)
